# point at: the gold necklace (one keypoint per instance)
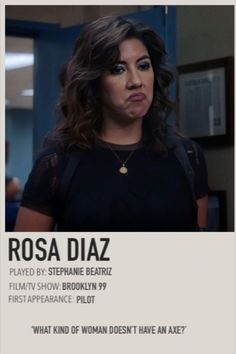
(123, 169)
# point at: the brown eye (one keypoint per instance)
(144, 66)
(117, 70)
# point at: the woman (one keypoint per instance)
(111, 164)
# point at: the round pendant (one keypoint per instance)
(123, 170)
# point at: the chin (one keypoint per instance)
(137, 114)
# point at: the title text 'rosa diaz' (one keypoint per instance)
(41, 249)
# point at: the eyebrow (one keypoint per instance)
(138, 60)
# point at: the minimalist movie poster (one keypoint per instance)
(152, 268)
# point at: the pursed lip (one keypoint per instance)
(138, 96)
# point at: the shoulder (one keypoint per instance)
(198, 163)
(49, 155)
(194, 151)
(187, 145)
(54, 163)
(50, 159)
(47, 168)
(192, 148)
(192, 158)
(43, 187)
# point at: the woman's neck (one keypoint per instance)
(122, 135)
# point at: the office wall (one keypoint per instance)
(67, 15)
(206, 33)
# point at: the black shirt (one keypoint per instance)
(153, 196)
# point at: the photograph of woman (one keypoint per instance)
(112, 162)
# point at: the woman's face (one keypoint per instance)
(127, 89)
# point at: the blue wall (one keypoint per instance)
(19, 127)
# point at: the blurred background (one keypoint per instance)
(39, 39)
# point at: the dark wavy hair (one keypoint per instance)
(96, 51)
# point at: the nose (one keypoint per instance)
(134, 80)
